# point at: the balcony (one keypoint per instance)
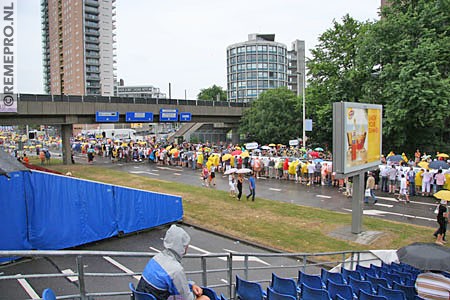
(92, 3)
(90, 32)
(92, 55)
(89, 24)
(92, 47)
(91, 17)
(90, 9)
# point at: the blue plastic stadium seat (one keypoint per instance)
(410, 290)
(210, 293)
(345, 291)
(358, 285)
(286, 286)
(346, 273)
(272, 295)
(309, 293)
(365, 296)
(377, 281)
(140, 295)
(48, 295)
(391, 278)
(335, 277)
(391, 294)
(365, 270)
(313, 281)
(247, 290)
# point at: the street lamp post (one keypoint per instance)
(303, 104)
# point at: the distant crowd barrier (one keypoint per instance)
(126, 100)
(47, 212)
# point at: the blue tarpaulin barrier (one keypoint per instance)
(46, 211)
(13, 214)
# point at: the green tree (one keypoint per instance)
(212, 93)
(411, 47)
(273, 118)
(334, 75)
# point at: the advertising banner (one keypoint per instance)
(357, 133)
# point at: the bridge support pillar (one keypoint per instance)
(66, 133)
(235, 136)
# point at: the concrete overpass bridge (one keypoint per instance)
(67, 110)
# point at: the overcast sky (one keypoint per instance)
(184, 41)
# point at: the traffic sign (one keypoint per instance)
(168, 115)
(185, 116)
(107, 116)
(138, 117)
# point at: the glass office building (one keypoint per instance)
(254, 66)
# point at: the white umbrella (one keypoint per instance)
(230, 171)
(265, 147)
(243, 171)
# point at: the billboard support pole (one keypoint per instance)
(357, 202)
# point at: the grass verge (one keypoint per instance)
(284, 226)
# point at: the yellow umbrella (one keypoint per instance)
(169, 147)
(423, 164)
(444, 155)
(25, 147)
(12, 146)
(245, 154)
(31, 147)
(272, 145)
(443, 195)
(226, 157)
(172, 151)
(124, 145)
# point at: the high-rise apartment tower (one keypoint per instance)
(260, 64)
(78, 46)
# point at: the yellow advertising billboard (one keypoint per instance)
(357, 129)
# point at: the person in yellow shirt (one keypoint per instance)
(304, 173)
(418, 181)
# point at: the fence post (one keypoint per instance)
(304, 263)
(246, 267)
(343, 260)
(80, 269)
(204, 279)
(230, 274)
(351, 261)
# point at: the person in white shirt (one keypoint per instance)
(403, 189)
(392, 174)
(427, 177)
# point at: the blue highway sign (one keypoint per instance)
(139, 117)
(185, 116)
(168, 115)
(107, 116)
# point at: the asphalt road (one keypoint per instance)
(420, 211)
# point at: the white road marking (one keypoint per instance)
(374, 212)
(277, 190)
(154, 249)
(143, 172)
(120, 266)
(323, 196)
(416, 202)
(177, 174)
(237, 258)
(136, 167)
(384, 205)
(250, 258)
(69, 271)
(27, 287)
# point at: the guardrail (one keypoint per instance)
(299, 261)
(126, 100)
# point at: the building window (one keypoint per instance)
(262, 48)
(241, 50)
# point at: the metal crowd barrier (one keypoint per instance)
(305, 260)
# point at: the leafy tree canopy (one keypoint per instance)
(334, 75)
(212, 93)
(411, 47)
(273, 118)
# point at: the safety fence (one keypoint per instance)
(90, 284)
